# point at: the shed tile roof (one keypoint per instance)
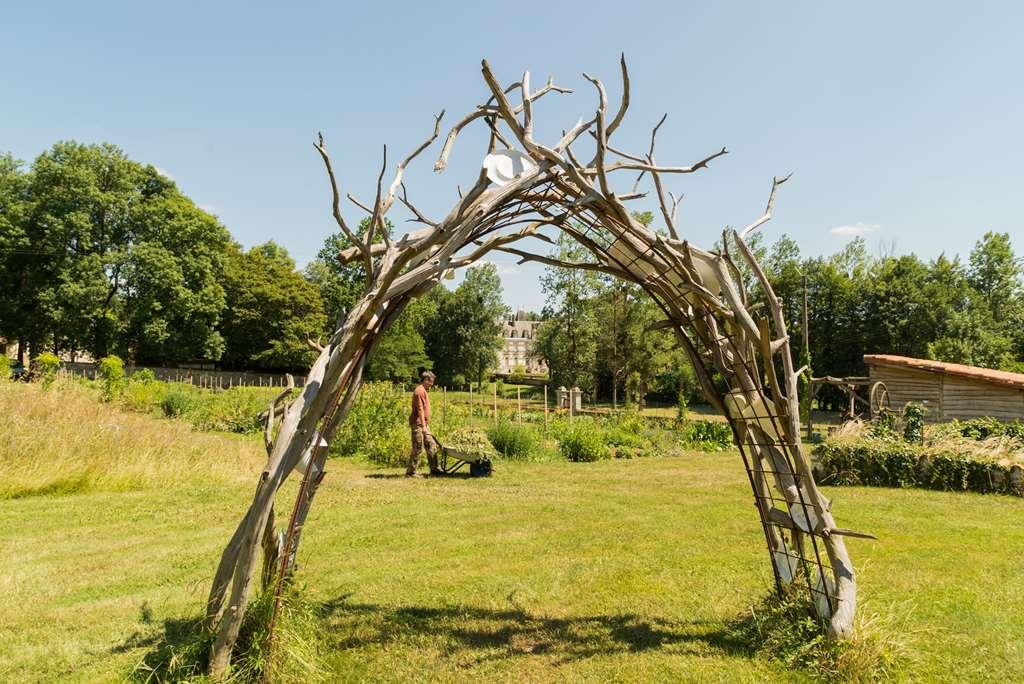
(995, 377)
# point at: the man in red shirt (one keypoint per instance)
(419, 421)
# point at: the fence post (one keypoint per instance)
(495, 386)
(545, 409)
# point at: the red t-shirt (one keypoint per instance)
(420, 416)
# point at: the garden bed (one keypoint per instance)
(974, 456)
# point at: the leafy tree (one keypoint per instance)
(16, 253)
(401, 354)
(113, 258)
(464, 336)
(271, 310)
(973, 338)
(567, 339)
(994, 272)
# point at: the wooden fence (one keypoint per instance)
(211, 379)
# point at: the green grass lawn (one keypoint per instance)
(616, 570)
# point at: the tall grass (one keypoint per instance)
(61, 440)
(786, 630)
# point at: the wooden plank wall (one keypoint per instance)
(965, 398)
(907, 385)
(949, 396)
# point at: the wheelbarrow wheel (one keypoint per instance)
(481, 468)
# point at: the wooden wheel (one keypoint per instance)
(879, 398)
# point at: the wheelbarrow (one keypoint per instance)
(452, 460)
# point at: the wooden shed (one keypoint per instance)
(949, 390)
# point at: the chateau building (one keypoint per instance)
(518, 335)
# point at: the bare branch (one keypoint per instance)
(497, 134)
(551, 261)
(624, 105)
(776, 182)
(636, 166)
(488, 110)
(405, 162)
(375, 220)
(527, 107)
(336, 204)
(669, 222)
(404, 197)
(353, 200)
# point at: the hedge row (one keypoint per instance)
(884, 463)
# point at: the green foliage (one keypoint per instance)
(983, 428)
(377, 427)
(176, 403)
(463, 338)
(887, 463)
(231, 410)
(913, 422)
(120, 260)
(580, 443)
(45, 367)
(5, 367)
(682, 406)
(111, 375)
(972, 337)
(144, 376)
(470, 441)
(705, 435)
(271, 310)
(296, 656)
(567, 339)
(787, 630)
(514, 441)
(518, 375)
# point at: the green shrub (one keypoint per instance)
(913, 422)
(232, 410)
(175, 403)
(983, 428)
(512, 440)
(706, 435)
(144, 376)
(45, 367)
(682, 405)
(886, 463)
(5, 367)
(111, 376)
(581, 443)
(377, 426)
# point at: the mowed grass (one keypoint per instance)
(616, 570)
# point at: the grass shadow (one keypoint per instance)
(486, 634)
(176, 650)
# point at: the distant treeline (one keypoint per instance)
(102, 254)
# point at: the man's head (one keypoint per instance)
(427, 379)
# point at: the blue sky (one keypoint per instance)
(900, 120)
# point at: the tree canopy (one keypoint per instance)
(108, 256)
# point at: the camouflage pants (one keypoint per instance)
(421, 440)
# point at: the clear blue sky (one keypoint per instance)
(901, 120)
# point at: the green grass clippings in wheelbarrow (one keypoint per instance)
(466, 448)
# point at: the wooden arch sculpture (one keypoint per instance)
(742, 358)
